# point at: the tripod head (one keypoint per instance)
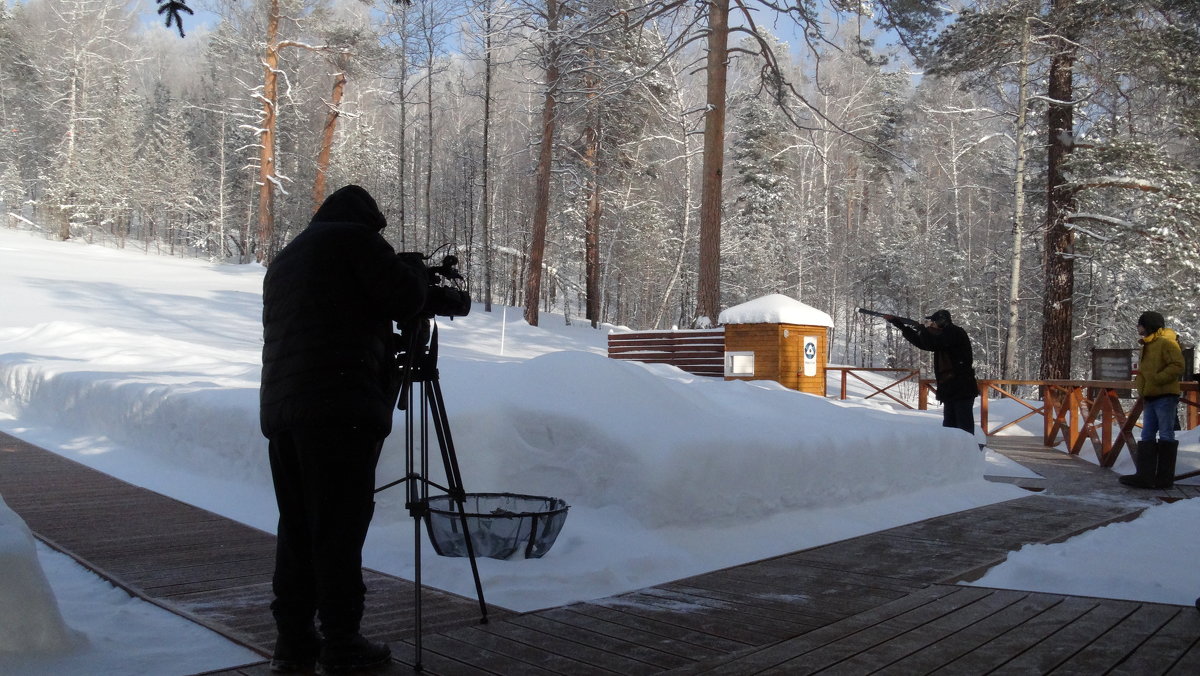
(416, 356)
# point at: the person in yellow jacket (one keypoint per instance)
(1158, 385)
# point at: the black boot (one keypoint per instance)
(1164, 474)
(1146, 461)
(351, 653)
(296, 650)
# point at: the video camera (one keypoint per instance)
(445, 298)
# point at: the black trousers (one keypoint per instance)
(959, 413)
(324, 485)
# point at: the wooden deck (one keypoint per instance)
(885, 602)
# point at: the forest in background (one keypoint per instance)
(1032, 165)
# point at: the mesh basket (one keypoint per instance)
(501, 524)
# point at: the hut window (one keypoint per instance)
(739, 363)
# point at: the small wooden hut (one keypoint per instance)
(777, 338)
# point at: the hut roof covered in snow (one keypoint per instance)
(775, 309)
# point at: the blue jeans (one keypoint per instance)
(1158, 417)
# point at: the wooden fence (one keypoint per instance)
(700, 352)
(1076, 411)
(847, 372)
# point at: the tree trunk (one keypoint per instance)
(429, 138)
(541, 209)
(397, 219)
(335, 103)
(1059, 266)
(266, 156)
(1009, 370)
(486, 205)
(64, 227)
(708, 283)
(592, 226)
(595, 208)
(685, 211)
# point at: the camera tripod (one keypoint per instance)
(416, 359)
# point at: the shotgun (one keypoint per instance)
(902, 320)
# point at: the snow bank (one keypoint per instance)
(30, 620)
(672, 450)
(1148, 559)
(116, 633)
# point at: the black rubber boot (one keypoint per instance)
(1164, 474)
(1146, 461)
(296, 651)
(345, 654)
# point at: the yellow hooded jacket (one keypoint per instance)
(1161, 364)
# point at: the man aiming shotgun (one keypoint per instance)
(953, 363)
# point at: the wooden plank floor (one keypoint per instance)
(210, 569)
(885, 602)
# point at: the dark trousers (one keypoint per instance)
(324, 486)
(959, 413)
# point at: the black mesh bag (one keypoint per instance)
(501, 524)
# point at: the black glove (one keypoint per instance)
(894, 321)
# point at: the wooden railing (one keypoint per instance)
(1076, 412)
(699, 352)
(910, 376)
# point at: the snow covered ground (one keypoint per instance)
(146, 368)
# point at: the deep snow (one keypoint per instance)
(146, 368)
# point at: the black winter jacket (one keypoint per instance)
(329, 300)
(953, 363)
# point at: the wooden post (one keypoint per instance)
(1074, 417)
(1109, 417)
(1191, 397)
(1049, 416)
(984, 387)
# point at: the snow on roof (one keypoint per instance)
(775, 309)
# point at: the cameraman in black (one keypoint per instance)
(953, 366)
(329, 387)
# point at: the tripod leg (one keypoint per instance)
(416, 508)
(417, 630)
(441, 425)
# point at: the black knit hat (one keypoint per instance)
(351, 204)
(941, 317)
(1151, 321)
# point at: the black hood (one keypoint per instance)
(351, 204)
(1153, 321)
